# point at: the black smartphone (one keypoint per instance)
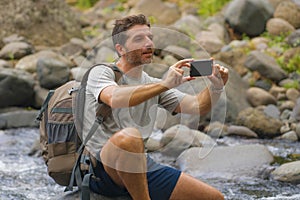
(201, 68)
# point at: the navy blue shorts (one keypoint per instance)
(161, 181)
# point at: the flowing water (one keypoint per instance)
(24, 177)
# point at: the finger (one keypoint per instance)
(184, 62)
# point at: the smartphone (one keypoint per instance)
(201, 68)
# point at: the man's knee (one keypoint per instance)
(129, 139)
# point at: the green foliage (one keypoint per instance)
(210, 7)
(294, 84)
(292, 65)
(277, 40)
(86, 3)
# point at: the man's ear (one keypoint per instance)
(120, 49)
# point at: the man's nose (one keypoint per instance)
(149, 42)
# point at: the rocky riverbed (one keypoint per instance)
(24, 176)
(255, 126)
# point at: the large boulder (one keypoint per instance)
(225, 161)
(249, 16)
(16, 88)
(39, 21)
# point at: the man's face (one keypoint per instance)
(139, 45)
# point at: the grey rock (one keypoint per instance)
(232, 161)
(265, 65)
(241, 131)
(288, 172)
(52, 73)
(249, 16)
(18, 118)
(16, 50)
(16, 88)
(257, 96)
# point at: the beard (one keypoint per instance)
(139, 57)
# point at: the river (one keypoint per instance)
(24, 177)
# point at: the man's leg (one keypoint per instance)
(188, 188)
(124, 161)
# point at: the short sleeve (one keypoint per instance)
(99, 78)
(171, 99)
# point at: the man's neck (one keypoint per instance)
(130, 70)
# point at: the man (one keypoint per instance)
(123, 167)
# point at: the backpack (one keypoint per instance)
(63, 150)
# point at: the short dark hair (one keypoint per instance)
(122, 25)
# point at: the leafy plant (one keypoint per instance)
(86, 3)
(210, 7)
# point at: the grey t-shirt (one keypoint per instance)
(142, 116)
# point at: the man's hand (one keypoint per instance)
(175, 76)
(219, 77)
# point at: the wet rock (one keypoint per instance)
(257, 96)
(288, 172)
(265, 65)
(18, 118)
(256, 120)
(291, 136)
(241, 131)
(249, 16)
(232, 161)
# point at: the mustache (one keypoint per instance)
(148, 51)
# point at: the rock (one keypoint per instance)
(291, 136)
(216, 129)
(256, 120)
(257, 96)
(272, 111)
(18, 118)
(16, 50)
(296, 110)
(52, 73)
(292, 94)
(241, 131)
(176, 51)
(209, 41)
(288, 11)
(248, 16)
(16, 88)
(46, 23)
(189, 24)
(297, 130)
(163, 12)
(288, 172)
(179, 138)
(5, 64)
(278, 26)
(225, 161)
(265, 65)
(29, 63)
(105, 55)
(294, 38)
